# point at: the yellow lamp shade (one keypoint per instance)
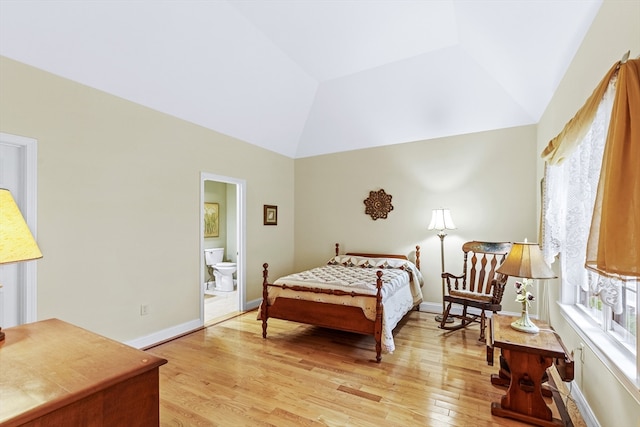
(525, 260)
(16, 241)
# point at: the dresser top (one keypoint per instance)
(48, 364)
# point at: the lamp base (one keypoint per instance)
(447, 320)
(524, 324)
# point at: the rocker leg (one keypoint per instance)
(444, 316)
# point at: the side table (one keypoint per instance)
(528, 356)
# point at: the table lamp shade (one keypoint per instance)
(441, 220)
(16, 241)
(525, 260)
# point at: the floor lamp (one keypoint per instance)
(441, 220)
(16, 241)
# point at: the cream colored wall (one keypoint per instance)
(119, 204)
(487, 180)
(615, 30)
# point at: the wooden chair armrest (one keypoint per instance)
(451, 276)
(497, 288)
(456, 280)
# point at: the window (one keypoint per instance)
(625, 324)
(619, 322)
(602, 308)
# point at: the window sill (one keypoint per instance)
(618, 360)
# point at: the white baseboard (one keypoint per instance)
(432, 307)
(178, 330)
(585, 411)
(253, 304)
(165, 334)
(184, 328)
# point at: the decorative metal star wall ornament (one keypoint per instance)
(378, 204)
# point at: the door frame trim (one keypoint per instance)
(241, 190)
(29, 168)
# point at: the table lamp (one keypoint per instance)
(441, 220)
(525, 261)
(16, 241)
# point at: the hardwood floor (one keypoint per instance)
(228, 375)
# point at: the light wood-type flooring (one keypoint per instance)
(228, 375)
(220, 306)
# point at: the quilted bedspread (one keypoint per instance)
(351, 273)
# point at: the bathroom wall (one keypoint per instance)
(225, 195)
(216, 192)
(231, 221)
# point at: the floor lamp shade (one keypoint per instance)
(441, 220)
(16, 241)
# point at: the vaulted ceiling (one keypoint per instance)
(311, 77)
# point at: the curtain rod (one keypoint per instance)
(625, 57)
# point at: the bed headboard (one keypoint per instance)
(371, 255)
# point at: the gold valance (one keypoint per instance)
(613, 247)
(560, 147)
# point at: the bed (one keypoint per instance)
(365, 293)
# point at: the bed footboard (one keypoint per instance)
(333, 316)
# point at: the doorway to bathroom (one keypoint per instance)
(222, 242)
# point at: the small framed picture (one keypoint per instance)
(211, 220)
(270, 215)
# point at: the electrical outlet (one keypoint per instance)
(144, 309)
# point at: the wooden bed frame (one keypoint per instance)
(333, 316)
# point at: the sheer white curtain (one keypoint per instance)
(569, 193)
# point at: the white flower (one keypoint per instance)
(522, 294)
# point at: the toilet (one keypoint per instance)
(222, 271)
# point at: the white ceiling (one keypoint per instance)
(311, 77)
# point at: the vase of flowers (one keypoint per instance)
(525, 297)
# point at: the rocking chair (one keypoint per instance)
(479, 287)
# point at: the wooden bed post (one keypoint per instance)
(418, 257)
(337, 249)
(378, 324)
(264, 313)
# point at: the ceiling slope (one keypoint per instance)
(311, 77)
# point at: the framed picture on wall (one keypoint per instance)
(270, 215)
(211, 220)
